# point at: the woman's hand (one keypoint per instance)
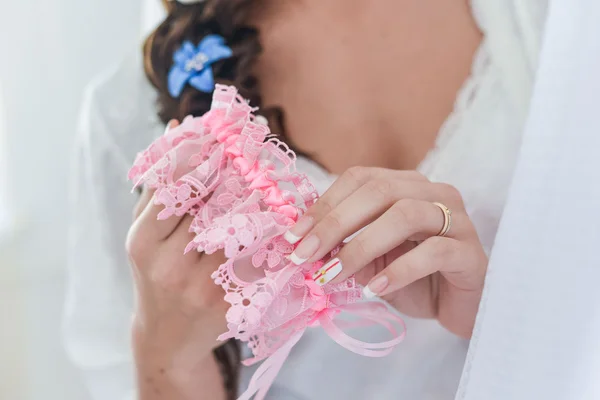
(176, 297)
(179, 310)
(399, 255)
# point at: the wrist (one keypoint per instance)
(169, 342)
(168, 368)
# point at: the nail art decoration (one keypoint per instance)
(328, 272)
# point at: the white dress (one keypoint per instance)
(476, 151)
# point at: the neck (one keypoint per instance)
(368, 83)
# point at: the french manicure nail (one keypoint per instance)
(302, 227)
(305, 250)
(291, 238)
(328, 272)
(375, 287)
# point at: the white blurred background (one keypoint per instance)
(49, 51)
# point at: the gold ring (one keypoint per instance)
(447, 219)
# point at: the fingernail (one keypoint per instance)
(328, 272)
(305, 250)
(298, 231)
(375, 287)
(291, 238)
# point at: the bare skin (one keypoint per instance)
(363, 83)
(179, 310)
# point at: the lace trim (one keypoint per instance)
(240, 184)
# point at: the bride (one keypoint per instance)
(408, 116)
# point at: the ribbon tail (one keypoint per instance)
(371, 313)
(265, 375)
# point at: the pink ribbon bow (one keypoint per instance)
(370, 313)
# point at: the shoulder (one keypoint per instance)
(118, 109)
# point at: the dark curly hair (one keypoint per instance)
(227, 18)
(193, 22)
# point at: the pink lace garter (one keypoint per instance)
(240, 185)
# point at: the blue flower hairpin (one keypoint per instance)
(192, 65)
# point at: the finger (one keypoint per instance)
(145, 197)
(353, 213)
(407, 219)
(203, 293)
(182, 235)
(147, 194)
(149, 229)
(174, 274)
(435, 254)
(343, 187)
(360, 209)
